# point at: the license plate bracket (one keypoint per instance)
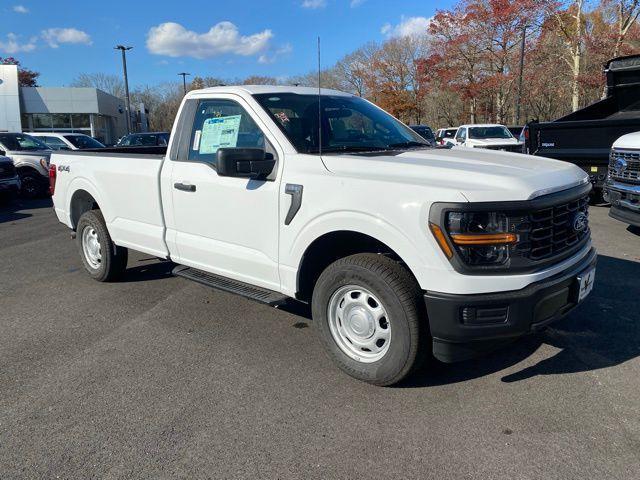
(585, 283)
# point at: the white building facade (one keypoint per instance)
(59, 109)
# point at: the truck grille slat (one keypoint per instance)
(552, 233)
(625, 165)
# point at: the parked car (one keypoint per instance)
(491, 136)
(516, 130)
(622, 188)
(31, 159)
(401, 249)
(67, 141)
(144, 140)
(425, 132)
(9, 180)
(585, 137)
(445, 136)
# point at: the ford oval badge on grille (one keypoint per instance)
(580, 222)
(619, 165)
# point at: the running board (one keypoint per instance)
(228, 285)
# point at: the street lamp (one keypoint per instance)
(184, 80)
(124, 49)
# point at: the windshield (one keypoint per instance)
(349, 124)
(424, 132)
(18, 142)
(489, 132)
(83, 141)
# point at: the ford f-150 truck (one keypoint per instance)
(402, 250)
(622, 188)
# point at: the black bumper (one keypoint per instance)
(625, 202)
(464, 326)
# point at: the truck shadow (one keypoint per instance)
(601, 333)
(12, 210)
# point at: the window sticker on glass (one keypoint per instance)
(196, 140)
(218, 133)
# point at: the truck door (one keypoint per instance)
(224, 225)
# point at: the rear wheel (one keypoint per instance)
(33, 186)
(369, 312)
(103, 259)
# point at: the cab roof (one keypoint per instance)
(275, 89)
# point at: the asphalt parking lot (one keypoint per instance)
(158, 377)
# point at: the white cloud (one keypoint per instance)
(408, 27)
(356, 3)
(173, 40)
(20, 9)
(314, 3)
(12, 44)
(55, 36)
(270, 57)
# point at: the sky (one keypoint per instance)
(220, 38)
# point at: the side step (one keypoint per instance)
(228, 285)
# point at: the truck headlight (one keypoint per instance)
(479, 238)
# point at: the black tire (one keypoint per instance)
(113, 260)
(401, 297)
(33, 185)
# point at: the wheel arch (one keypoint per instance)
(81, 201)
(336, 244)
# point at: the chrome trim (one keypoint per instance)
(623, 187)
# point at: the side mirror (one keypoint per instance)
(2, 153)
(244, 162)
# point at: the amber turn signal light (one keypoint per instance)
(441, 239)
(485, 239)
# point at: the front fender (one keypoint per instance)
(418, 258)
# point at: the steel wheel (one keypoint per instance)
(91, 247)
(359, 324)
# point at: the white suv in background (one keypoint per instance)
(492, 136)
(67, 141)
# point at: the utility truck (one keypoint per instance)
(402, 250)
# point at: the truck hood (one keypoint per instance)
(491, 141)
(478, 175)
(630, 140)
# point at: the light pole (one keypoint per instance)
(184, 80)
(519, 97)
(124, 49)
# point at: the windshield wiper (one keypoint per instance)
(408, 144)
(350, 148)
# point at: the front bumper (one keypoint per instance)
(625, 202)
(464, 326)
(10, 186)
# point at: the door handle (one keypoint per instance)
(185, 187)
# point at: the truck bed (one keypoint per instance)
(125, 183)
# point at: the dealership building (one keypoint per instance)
(59, 109)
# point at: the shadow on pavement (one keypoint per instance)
(602, 332)
(158, 270)
(11, 210)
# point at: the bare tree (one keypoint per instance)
(111, 84)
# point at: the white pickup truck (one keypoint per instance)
(403, 250)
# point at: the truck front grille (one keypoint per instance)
(555, 230)
(7, 170)
(624, 165)
(507, 148)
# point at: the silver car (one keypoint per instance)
(31, 159)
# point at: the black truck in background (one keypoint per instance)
(585, 137)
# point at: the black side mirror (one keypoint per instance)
(244, 162)
(2, 153)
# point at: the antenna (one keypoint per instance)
(319, 105)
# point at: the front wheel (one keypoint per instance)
(369, 313)
(103, 259)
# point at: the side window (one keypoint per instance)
(461, 136)
(222, 124)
